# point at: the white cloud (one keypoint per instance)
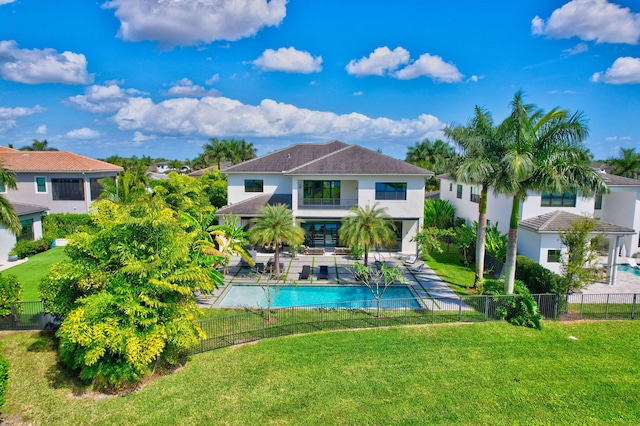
(214, 79)
(6, 2)
(577, 49)
(288, 60)
(211, 116)
(623, 71)
(189, 22)
(141, 137)
(358, 93)
(84, 133)
(186, 88)
(589, 20)
(379, 62)
(42, 129)
(102, 99)
(37, 66)
(9, 116)
(431, 66)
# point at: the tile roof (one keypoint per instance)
(23, 209)
(614, 180)
(333, 157)
(223, 166)
(559, 220)
(52, 161)
(252, 206)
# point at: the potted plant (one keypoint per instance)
(13, 256)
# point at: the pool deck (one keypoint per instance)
(424, 284)
(626, 283)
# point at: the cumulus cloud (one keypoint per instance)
(186, 88)
(379, 62)
(288, 60)
(623, 71)
(35, 66)
(102, 99)
(431, 66)
(9, 116)
(6, 2)
(141, 137)
(589, 20)
(577, 49)
(189, 22)
(214, 79)
(42, 129)
(84, 133)
(211, 116)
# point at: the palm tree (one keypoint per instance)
(436, 156)
(231, 240)
(369, 226)
(627, 164)
(38, 146)
(8, 217)
(275, 226)
(482, 151)
(215, 151)
(125, 189)
(239, 150)
(544, 153)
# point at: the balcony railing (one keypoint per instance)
(327, 203)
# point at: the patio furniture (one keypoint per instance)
(632, 262)
(417, 269)
(243, 261)
(259, 267)
(411, 259)
(306, 271)
(342, 251)
(378, 257)
(323, 274)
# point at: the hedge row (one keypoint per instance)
(61, 225)
(536, 277)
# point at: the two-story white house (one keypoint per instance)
(320, 182)
(543, 216)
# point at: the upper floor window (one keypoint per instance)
(459, 193)
(568, 199)
(41, 184)
(68, 189)
(475, 194)
(321, 192)
(598, 202)
(391, 190)
(253, 185)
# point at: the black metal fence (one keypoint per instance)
(261, 324)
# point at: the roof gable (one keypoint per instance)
(559, 220)
(52, 161)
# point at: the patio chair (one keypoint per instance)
(632, 262)
(378, 257)
(323, 274)
(306, 271)
(417, 269)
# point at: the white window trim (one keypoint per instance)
(35, 182)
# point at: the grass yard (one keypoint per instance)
(32, 271)
(448, 267)
(484, 373)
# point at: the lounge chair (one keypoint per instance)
(306, 271)
(411, 259)
(632, 262)
(323, 274)
(378, 257)
(417, 269)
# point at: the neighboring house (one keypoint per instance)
(164, 168)
(31, 218)
(320, 182)
(618, 211)
(59, 181)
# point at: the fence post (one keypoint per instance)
(293, 322)
(606, 311)
(233, 329)
(460, 310)
(486, 308)
(633, 306)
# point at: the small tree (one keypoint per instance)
(582, 251)
(377, 280)
(271, 286)
(429, 239)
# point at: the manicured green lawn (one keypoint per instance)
(484, 373)
(447, 266)
(32, 271)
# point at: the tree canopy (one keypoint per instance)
(368, 226)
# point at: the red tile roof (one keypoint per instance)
(52, 161)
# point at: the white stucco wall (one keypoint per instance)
(622, 208)
(8, 240)
(272, 184)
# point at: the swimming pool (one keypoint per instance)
(629, 269)
(253, 295)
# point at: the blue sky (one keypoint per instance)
(161, 77)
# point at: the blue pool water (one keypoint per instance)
(253, 295)
(629, 269)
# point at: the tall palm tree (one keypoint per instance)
(8, 217)
(627, 164)
(239, 150)
(215, 151)
(369, 226)
(482, 151)
(544, 153)
(275, 226)
(38, 146)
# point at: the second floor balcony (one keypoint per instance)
(327, 203)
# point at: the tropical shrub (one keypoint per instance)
(10, 291)
(127, 294)
(61, 225)
(438, 213)
(536, 277)
(4, 380)
(26, 248)
(521, 309)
